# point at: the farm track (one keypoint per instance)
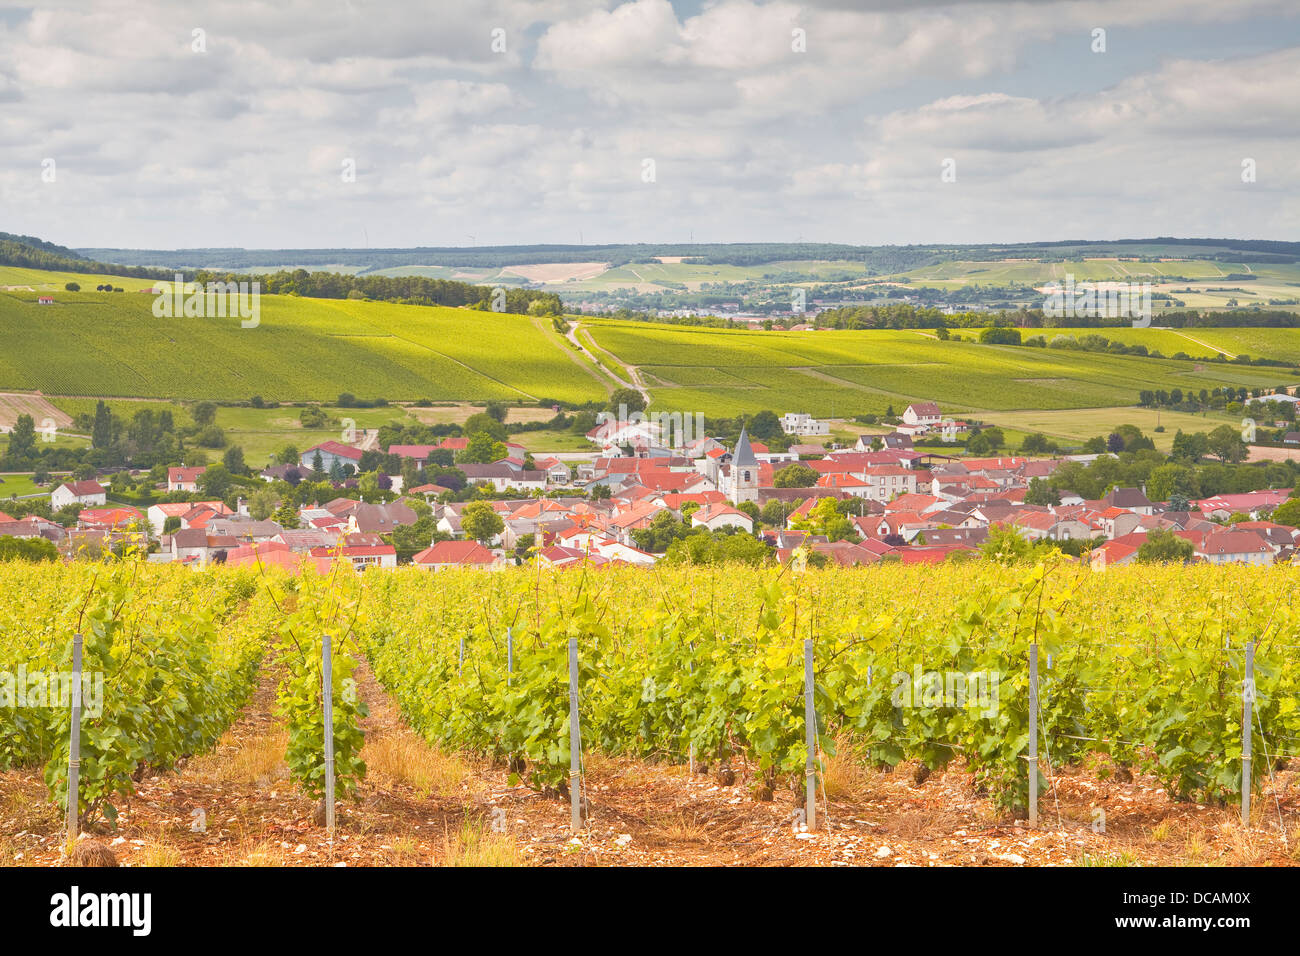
(636, 385)
(1203, 344)
(588, 367)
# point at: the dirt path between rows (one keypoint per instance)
(419, 807)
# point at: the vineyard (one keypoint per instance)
(104, 344)
(1143, 673)
(727, 372)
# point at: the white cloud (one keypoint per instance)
(242, 145)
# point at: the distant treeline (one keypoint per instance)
(908, 316)
(27, 252)
(410, 290)
(879, 258)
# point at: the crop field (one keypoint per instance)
(99, 344)
(37, 280)
(113, 345)
(721, 371)
(1272, 343)
(454, 714)
(1196, 283)
(1078, 425)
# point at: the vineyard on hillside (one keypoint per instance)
(1147, 666)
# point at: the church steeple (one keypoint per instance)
(743, 456)
(744, 471)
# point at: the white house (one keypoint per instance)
(885, 482)
(800, 423)
(922, 413)
(617, 551)
(88, 494)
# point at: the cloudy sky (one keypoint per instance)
(170, 123)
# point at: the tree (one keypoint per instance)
(204, 413)
(261, 503)
(1005, 545)
(286, 516)
(101, 433)
(795, 475)
(1166, 481)
(1034, 443)
(995, 335)
(482, 423)
(1189, 447)
(481, 449)
(633, 400)
(825, 518)
(233, 459)
(317, 465)
(1163, 546)
(481, 522)
(72, 286)
(995, 436)
(27, 549)
(22, 439)
(1225, 444)
(663, 531)
(1288, 513)
(215, 482)
(288, 455)
(1041, 493)
(211, 437)
(774, 512)
(765, 426)
(497, 411)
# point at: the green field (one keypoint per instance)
(99, 344)
(1197, 283)
(303, 349)
(20, 486)
(40, 281)
(721, 371)
(1078, 425)
(1283, 344)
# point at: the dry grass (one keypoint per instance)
(1244, 846)
(403, 851)
(846, 776)
(25, 804)
(157, 854)
(472, 845)
(679, 827)
(1195, 850)
(402, 758)
(258, 761)
(264, 854)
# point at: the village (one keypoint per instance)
(884, 498)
